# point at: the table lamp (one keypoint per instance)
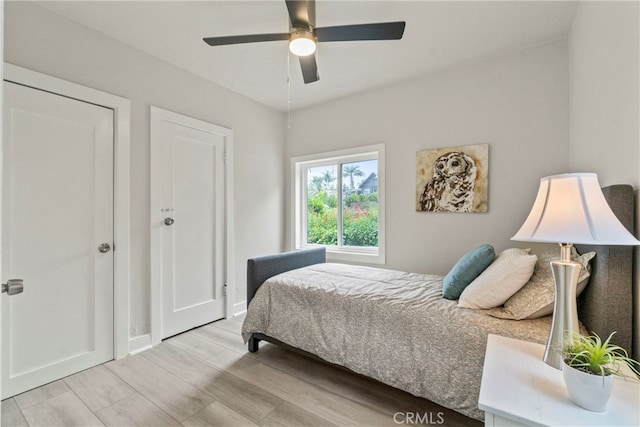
(570, 208)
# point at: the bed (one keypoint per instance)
(395, 326)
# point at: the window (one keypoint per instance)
(339, 203)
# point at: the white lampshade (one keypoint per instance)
(570, 208)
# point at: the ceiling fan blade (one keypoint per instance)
(379, 31)
(302, 13)
(249, 38)
(309, 68)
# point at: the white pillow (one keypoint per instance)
(510, 271)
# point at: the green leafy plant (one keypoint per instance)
(591, 355)
(359, 219)
(360, 227)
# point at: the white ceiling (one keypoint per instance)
(438, 35)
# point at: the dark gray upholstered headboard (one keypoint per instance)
(606, 305)
(261, 268)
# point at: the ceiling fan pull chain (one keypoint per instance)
(288, 89)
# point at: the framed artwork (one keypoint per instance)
(452, 179)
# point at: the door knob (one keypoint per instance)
(13, 286)
(169, 221)
(104, 247)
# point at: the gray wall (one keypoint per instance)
(604, 87)
(517, 103)
(40, 40)
(605, 104)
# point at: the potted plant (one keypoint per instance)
(589, 367)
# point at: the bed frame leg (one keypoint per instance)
(253, 344)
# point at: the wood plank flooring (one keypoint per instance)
(206, 377)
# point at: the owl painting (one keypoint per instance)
(455, 179)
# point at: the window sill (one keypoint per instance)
(356, 257)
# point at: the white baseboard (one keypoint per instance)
(239, 308)
(143, 342)
(139, 343)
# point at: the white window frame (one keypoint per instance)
(299, 201)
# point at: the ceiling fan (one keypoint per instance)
(303, 35)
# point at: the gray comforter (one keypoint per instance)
(389, 325)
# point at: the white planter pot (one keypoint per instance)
(591, 392)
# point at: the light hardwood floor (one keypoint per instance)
(206, 377)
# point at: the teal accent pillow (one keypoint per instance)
(466, 270)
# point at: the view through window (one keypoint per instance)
(356, 198)
(339, 205)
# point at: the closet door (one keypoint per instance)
(57, 213)
(189, 171)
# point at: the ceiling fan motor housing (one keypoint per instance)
(302, 41)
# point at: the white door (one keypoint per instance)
(57, 209)
(189, 166)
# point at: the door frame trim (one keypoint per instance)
(158, 115)
(121, 172)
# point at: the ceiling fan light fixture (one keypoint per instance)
(302, 43)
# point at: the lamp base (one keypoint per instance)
(565, 310)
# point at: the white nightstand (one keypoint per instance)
(519, 389)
